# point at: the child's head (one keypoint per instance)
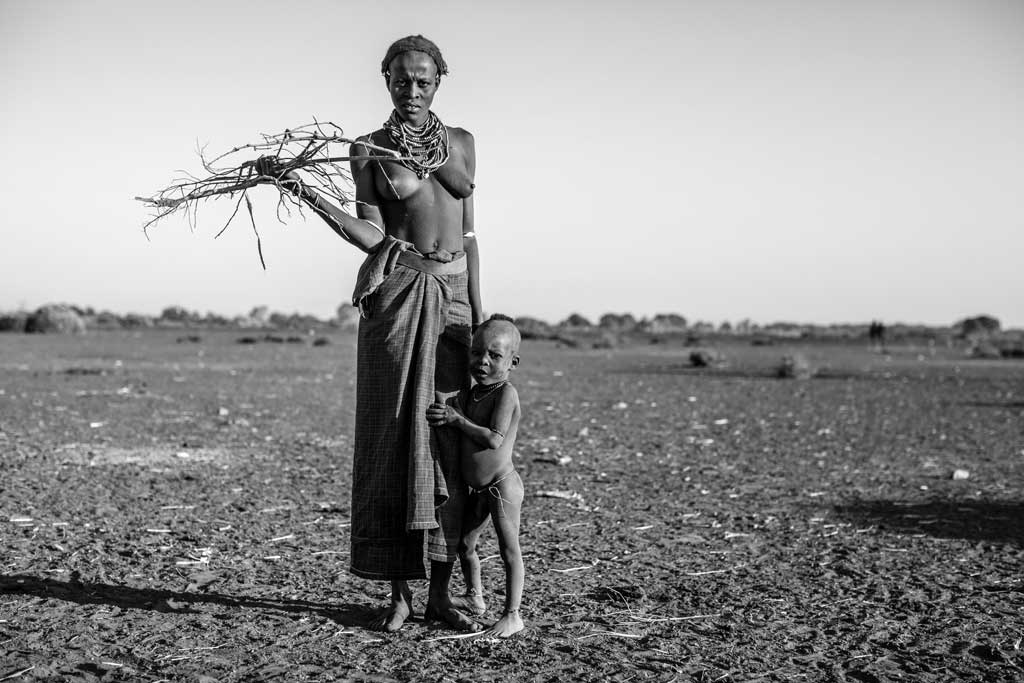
(495, 350)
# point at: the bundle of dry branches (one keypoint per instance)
(306, 148)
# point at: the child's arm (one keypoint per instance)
(492, 436)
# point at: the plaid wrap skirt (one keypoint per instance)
(406, 483)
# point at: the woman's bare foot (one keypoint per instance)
(394, 615)
(470, 602)
(509, 624)
(450, 615)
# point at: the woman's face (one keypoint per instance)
(413, 84)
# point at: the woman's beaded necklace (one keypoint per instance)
(490, 390)
(425, 147)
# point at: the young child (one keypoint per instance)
(488, 417)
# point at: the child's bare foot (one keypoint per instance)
(510, 623)
(450, 615)
(470, 602)
(395, 614)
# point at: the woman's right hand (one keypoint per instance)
(270, 167)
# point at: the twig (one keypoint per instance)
(610, 633)
(575, 569)
(17, 673)
(457, 636)
(715, 571)
(281, 538)
(690, 618)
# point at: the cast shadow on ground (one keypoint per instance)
(159, 600)
(1009, 405)
(766, 374)
(969, 520)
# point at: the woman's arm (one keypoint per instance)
(465, 158)
(366, 231)
(472, 249)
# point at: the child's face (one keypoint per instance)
(492, 355)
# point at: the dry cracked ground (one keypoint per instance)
(175, 508)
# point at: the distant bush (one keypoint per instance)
(55, 318)
(177, 314)
(794, 366)
(576, 320)
(704, 358)
(532, 328)
(13, 322)
(982, 348)
(663, 323)
(981, 325)
(607, 340)
(620, 322)
(347, 317)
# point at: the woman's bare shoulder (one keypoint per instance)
(461, 137)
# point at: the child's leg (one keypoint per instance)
(476, 513)
(506, 502)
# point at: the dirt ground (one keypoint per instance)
(178, 511)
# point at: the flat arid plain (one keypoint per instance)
(174, 507)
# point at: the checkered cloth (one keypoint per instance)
(406, 477)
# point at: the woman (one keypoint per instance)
(419, 294)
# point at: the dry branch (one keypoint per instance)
(305, 148)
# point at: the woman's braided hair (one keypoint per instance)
(413, 44)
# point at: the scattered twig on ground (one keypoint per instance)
(456, 636)
(657, 619)
(575, 569)
(281, 538)
(614, 634)
(715, 571)
(17, 673)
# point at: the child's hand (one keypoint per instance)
(439, 414)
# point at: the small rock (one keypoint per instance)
(621, 405)
(960, 474)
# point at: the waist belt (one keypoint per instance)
(425, 264)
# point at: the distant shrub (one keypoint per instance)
(982, 325)
(982, 348)
(576, 320)
(347, 317)
(177, 314)
(621, 322)
(136, 320)
(607, 340)
(56, 318)
(321, 341)
(663, 323)
(13, 322)
(705, 358)
(794, 366)
(532, 328)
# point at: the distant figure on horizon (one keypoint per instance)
(488, 416)
(418, 295)
(876, 334)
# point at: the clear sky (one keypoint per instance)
(811, 161)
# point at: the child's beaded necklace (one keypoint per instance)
(490, 390)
